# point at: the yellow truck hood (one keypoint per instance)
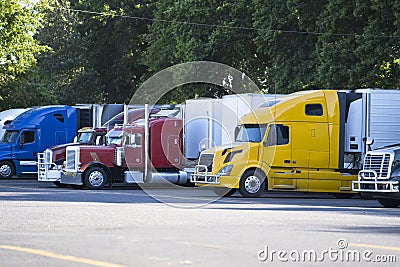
(237, 152)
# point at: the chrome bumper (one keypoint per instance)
(202, 176)
(47, 172)
(374, 184)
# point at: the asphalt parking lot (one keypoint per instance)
(42, 225)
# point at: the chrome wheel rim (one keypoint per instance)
(96, 178)
(252, 184)
(5, 170)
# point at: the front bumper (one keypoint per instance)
(202, 176)
(47, 171)
(374, 185)
(48, 175)
(71, 178)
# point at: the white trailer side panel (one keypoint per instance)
(198, 116)
(384, 117)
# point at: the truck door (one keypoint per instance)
(174, 151)
(277, 153)
(25, 151)
(134, 150)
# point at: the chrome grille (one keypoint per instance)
(379, 163)
(70, 165)
(207, 160)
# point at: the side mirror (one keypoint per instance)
(75, 139)
(22, 140)
(237, 129)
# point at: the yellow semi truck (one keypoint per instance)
(310, 141)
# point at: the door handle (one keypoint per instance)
(286, 161)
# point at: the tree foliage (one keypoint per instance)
(115, 44)
(196, 30)
(103, 50)
(18, 48)
(66, 69)
(286, 36)
(367, 55)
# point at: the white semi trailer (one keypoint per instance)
(380, 174)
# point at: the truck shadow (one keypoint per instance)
(192, 198)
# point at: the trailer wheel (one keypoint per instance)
(252, 184)
(389, 202)
(224, 191)
(95, 178)
(7, 169)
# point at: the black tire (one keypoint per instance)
(7, 169)
(95, 178)
(389, 202)
(252, 184)
(224, 191)
(58, 184)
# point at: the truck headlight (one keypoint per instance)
(225, 171)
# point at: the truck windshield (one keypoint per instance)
(251, 132)
(114, 137)
(10, 136)
(84, 137)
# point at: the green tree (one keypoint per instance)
(19, 22)
(287, 37)
(197, 30)
(360, 48)
(115, 44)
(26, 90)
(66, 70)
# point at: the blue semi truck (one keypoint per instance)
(37, 129)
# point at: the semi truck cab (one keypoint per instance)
(51, 160)
(31, 133)
(291, 143)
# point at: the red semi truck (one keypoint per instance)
(124, 159)
(51, 160)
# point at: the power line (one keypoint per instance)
(223, 26)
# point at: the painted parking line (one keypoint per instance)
(375, 246)
(61, 256)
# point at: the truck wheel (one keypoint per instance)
(7, 169)
(224, 191)
(95, 178)
(252, 184)
(389, 202)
